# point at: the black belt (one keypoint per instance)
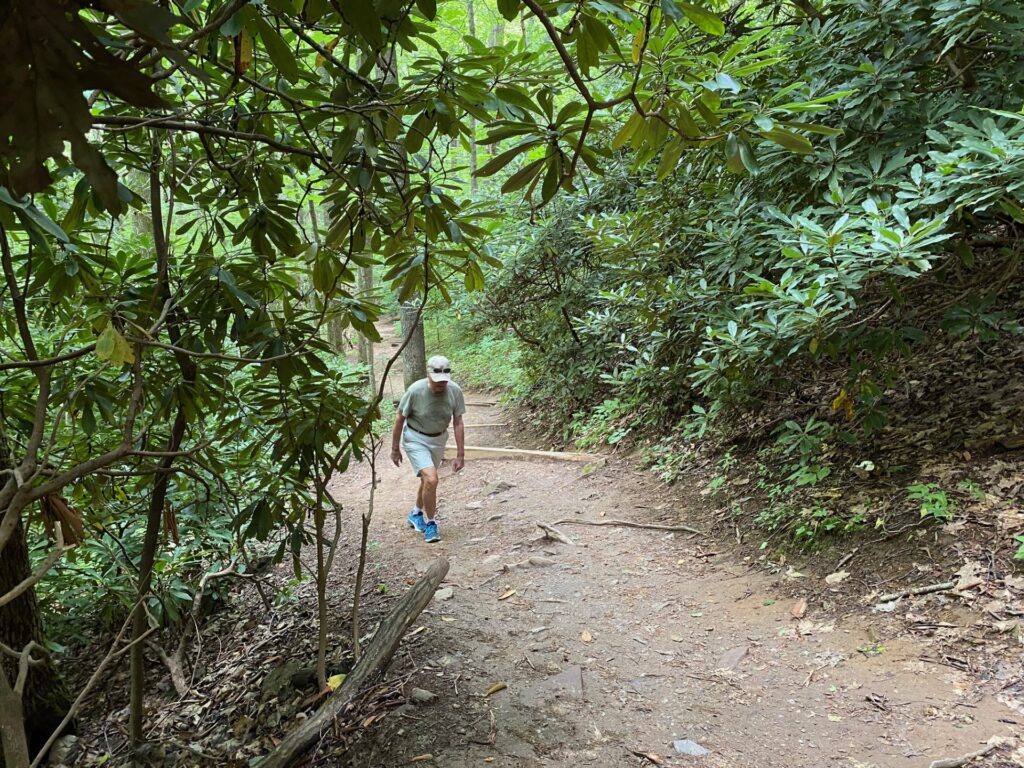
(420, 432)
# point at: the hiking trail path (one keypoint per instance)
(613, 649)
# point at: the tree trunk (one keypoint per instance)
(46, 699)
(414, 356)
(474, 183)
(365, 284)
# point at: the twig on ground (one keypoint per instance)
(551, 533)
(630, 524)
(846, 558)
(944, 586)
(957, 762)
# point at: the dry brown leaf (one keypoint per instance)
(494, 689)
(656, 759)
(799, 609)
(507, 594)
(837, 577)
(586, 637)
(422, 758)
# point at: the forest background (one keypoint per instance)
(776, 242)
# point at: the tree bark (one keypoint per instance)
(414, 357)
(474, 183)
(46, 699)
(365, 284)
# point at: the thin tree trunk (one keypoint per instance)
(414, 356)
(474, 183)
(154, 517)
(365, 286)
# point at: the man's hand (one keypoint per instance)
(458, 463)
(396, 457)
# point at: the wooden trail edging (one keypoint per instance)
(375, 656)
(480, 452)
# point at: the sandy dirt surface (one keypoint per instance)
(615, 649)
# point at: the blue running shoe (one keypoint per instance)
(417, 521)
(431, 534)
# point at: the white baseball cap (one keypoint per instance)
(439, 369)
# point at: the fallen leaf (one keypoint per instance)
(835, 719)
(422, 758)
(799, 609)
(649, 756)
(334, 682)
(507, 594)
(837, 577)
(676, 639)
(494, 689)
(586, 637)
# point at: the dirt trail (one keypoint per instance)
(633, 639)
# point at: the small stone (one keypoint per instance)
(474, 505)
(731, 658)
(445, 594)
(421, 696)
(687, 747)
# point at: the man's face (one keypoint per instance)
(437, 387)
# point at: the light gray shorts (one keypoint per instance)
(423, 451)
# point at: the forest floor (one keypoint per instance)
(614, 648)
(628, 647)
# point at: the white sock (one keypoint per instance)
(416, 510)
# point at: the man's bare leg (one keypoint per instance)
(419, 496)
(427, 495)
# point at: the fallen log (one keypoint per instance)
(629, 524)
(375, 656)
(481, 452)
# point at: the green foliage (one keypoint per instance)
(934, 502)
(481, 359)
(862, 202)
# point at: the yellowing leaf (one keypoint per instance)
(334, 682)
(506, 595)
(494, 689)
(243, 52)
(112, 347)
(586, 637)
(638, 45)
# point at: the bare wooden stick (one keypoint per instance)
(556, 535)
(375, 656)
(946, 585)
(958, 762)
(630, 524)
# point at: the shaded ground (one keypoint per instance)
(609, 649)
(631, 639)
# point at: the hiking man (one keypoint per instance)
(426, 409)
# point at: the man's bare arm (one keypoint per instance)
(460, 443)
(396, 439)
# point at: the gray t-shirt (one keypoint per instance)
(430, 413)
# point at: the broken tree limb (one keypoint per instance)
(375, 656)
(556, 535)
(629, 524)
(480, 452)
(957, 762)
(946, 585)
